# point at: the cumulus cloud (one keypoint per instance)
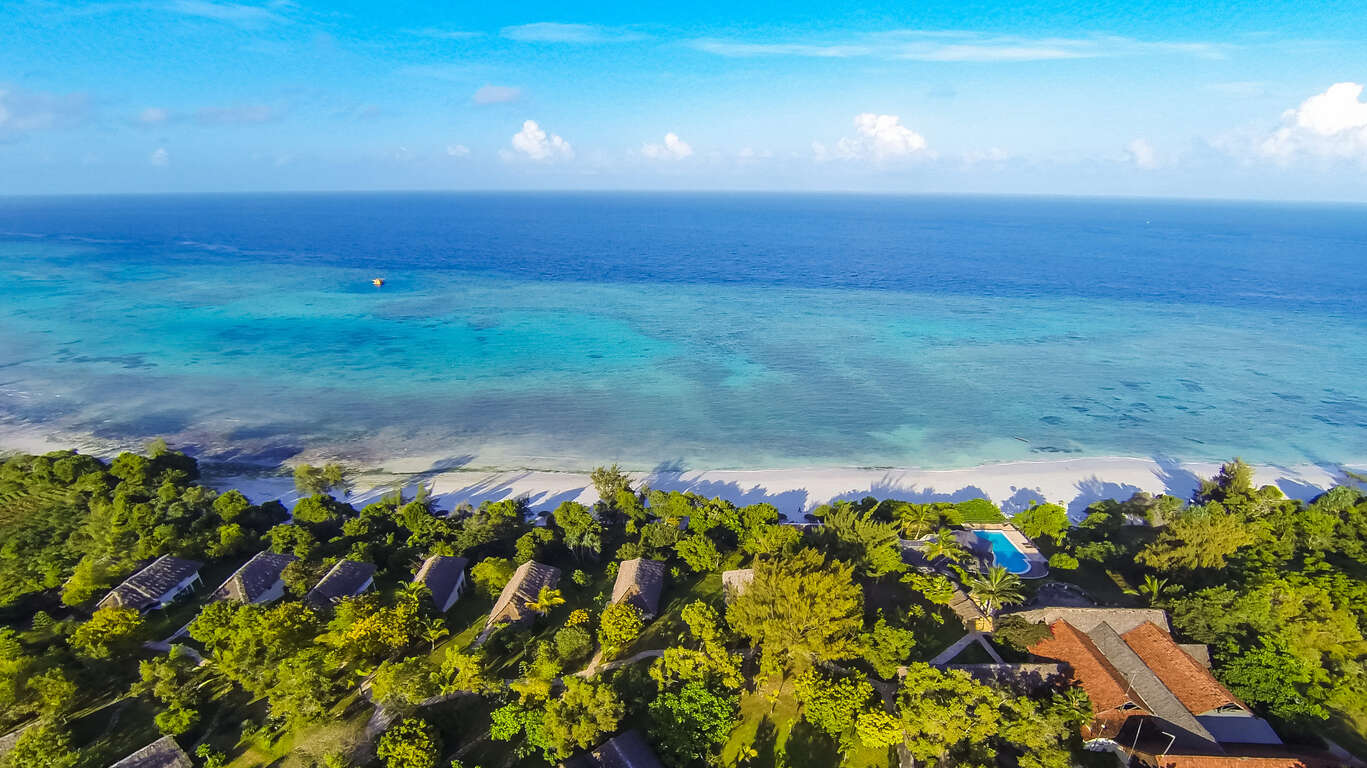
(581, 34)
(457, 150)
(153, 116)
(673, 148)
(159, 157)
(1332, 124)
(497, 94)
(1141, 153)
(534, 143)
(880, 138)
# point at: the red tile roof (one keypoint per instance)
(1188, 680)
(1284, 760)
(1103, 683)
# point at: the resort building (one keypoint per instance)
(524, 587)
(444, 577)
(733, 583)
(347, 578)
(257, 581)
(162, 753)
(628, 749)
(1150, 697)
(640, 582)
(155, 586)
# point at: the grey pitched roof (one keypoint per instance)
(254, 578)
(1122, 620)
(145, 587)
(524, 586)
(1157, 698)
(441, 574)
(162, 753)
(344, 580)
(626, 750)
(1242, 728)
(640, 582)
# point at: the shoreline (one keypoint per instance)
(1074, 483)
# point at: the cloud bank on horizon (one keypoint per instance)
(207, 95)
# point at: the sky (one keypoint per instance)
(1222, 98)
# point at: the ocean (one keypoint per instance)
(560, 331)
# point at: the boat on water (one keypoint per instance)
(378, 282)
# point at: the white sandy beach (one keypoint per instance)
(1075, 483)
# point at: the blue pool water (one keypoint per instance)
(699, 331)
(1004, 553)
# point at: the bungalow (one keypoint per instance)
(162, 753)
(524, 587)
(625, 750)
(347, 578)
(640, 582)
(155, 586)
(445, 578)
(257, 581)
(733, 583)
(1148, 693)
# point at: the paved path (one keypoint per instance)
(948, 654)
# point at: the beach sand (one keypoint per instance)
(1074, 483)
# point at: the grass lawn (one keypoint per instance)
(932, 637)
(973, 653)
(666, 629)
(1105, 586)
(770, 726)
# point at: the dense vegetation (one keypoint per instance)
(821, 659)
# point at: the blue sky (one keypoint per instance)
(1231, 99)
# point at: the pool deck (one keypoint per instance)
(1038, 564)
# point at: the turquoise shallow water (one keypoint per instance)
(692, 331)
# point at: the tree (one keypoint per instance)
(401, 685)
(1062, 561)
(995, 589)
(41, 746)
(944, 546)
(1269, 676)
(492, 574)
(433, 630)
(1199, 538)
(618, 627)
(530, 545)
(582, 532)
(462, 672)
(941, 710)
(303, 689)
(579, 716)
(409, 743)
(874, 547)
(54, 692)
(934, 587)
(710, 663)
(1151, 589)
(1020, 633)
(318, 480)
(800, 610)
(699, 553)
(692, 722)
(572, 644)
(545, 600)
(831, 703)
(886, 647)
(1044, 520)
(878, 729)
(109, 631)
(610, 482)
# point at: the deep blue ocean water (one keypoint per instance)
(705, 331)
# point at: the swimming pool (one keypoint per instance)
(1005, 553)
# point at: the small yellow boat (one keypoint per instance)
(378, 282)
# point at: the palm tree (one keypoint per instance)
(545, 600)
(916, 520)
(945, 545)
(413, 592)
(996, 589)
(1152, 588)
(434, 630)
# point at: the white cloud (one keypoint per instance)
(1332, 125)
(436, 33)
(534, 143)
(1141, 153)
(159, 157)
(457, 150)
(153, 116)
(581, 34)
(673, 148)
(960, 46)
(237, 14)
(23, 111)
(878, 137)
(497, 94)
